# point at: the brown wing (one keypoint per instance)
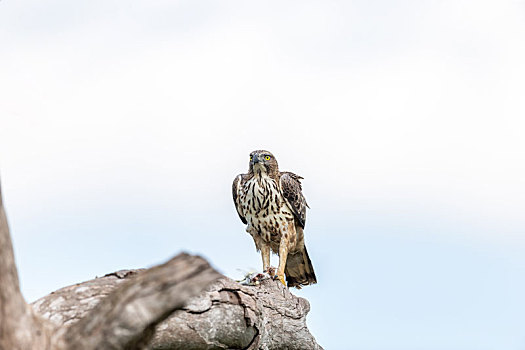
(291, 188)
(237, 183)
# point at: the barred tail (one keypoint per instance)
(299, 270)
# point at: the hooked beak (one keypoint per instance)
(255, 159)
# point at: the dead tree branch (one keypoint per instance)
(20, 327)
(226, 316)
(127, 317)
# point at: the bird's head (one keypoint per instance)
(263, 162)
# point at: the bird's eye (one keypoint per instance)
(267, 157)
(251, 157)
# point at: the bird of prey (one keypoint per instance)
(271, 204)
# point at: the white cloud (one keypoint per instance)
(404, 100)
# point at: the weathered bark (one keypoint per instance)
(182, 304)
(126, 318)
(227, 315)
(20, 327)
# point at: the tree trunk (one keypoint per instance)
(227, 315)
(181, 304)
(20, 327)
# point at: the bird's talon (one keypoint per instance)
(280, 278)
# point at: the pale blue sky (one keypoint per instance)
(124, 123)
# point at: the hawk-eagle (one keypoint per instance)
(271, 203)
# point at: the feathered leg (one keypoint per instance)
(260, 245)
(286, 233)
(265, 253)
(283, 254)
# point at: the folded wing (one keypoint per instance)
(237, 183)
(292, 192)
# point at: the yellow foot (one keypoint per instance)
(280, 278)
